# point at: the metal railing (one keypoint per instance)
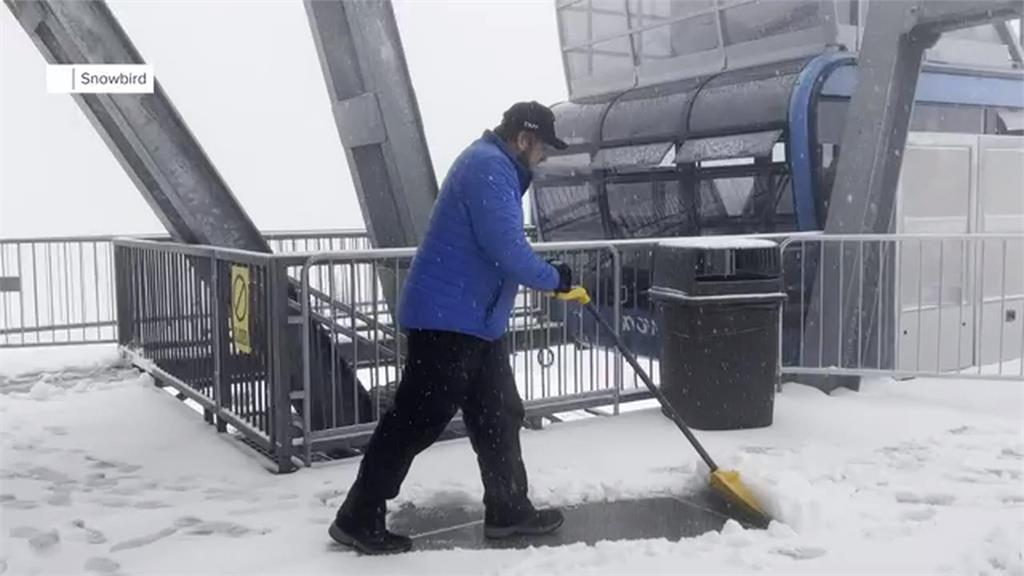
(561, 359)
(326, 355)
(60, 291)
(352, 353)
(56, 291)
(905, 305)
(178, 317)
(637, 314)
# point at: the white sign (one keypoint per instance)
(100, 79)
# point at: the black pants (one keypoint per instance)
(446, 371)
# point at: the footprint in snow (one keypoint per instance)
(765, 450)
(121, 502)
(324, 496)
(92, 536)
(934, 499)
(19, 504)
(801, 552)
(60, 497)
(250, 511)
(186, 521)
(1012, 453)
(44, 542)
(988, 475)
(44, 474)
(100, 480)
(919, 515)
(142, 540)
(100, 464)
(25, 532)
(221, 528)
(126, 491)
(101, 565)
(199, 527)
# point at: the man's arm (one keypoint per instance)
(496, 214)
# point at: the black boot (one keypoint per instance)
(362, 526)
(533, 523)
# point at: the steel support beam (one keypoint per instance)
(144, 131)
(1013, 45)
(896, 35)
(377, 117)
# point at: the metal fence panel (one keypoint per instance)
(557, 364)
(60, 291)
(55, 292)
(946, 305)
(209, 322)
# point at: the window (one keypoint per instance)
(667, 30)
(592, 20)
(846, 12)
(568, 212)
(649, 209)
(595, 37)
(764, 18)
(734, 193)
(600, 58)
(691, 36)
(746, 204)
(728, 147)
(564, 165)
(642, 155)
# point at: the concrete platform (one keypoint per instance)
(662, 517)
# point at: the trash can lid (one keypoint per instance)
(692, 265)
(718, 242)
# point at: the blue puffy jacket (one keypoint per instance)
(475, 255)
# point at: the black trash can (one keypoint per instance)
(718, 302)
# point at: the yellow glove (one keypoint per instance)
(576, 294)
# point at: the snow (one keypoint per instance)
(103, 473)
(718, 242)
(21, 361)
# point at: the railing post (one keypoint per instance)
(123, 292)
(218, 324)
(307, 441)
(280, 370)
(617, 321)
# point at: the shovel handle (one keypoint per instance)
(651, 386)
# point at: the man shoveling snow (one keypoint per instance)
(455, 309)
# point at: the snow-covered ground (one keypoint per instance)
(100, 472)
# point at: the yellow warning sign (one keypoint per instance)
(240, 309)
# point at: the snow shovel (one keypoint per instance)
(725, 482)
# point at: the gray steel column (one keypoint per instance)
(144, 131)
(377, 117)
(896, 35)
(1013, 45)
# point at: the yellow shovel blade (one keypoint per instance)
(728, 484)
(576, 294)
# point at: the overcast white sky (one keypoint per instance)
(245, 77)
